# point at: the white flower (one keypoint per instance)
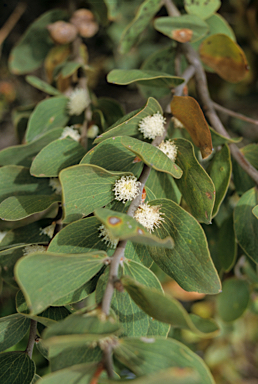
(55, 185)
(107, 237)
(152, 126)
(49, 230)
(177, 123)
(33, 248)
(2, 235)
(149, 216)
(70, 132)
(169, 148)
(79, 100)
(126, 188)
(92, 131)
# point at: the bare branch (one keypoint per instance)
(202, 88)
(11, 21)
(32, 336)
(237, 115)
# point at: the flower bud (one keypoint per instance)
(62, 32)
(83, 20)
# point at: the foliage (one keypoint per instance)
(89, 278)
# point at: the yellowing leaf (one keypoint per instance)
(225, 57)
(187, 110)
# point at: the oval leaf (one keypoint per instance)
(13, 328)
(124, 227)
(42, 85)
(48, 114)
(202, 8)
(146, 77)
(53, 276)
(195, 185)
(225, 57)
(187, 110)
(56, 156)
(145, 13)
(233, 300)
(16, 368)
(189, 262)
(246, 224)
(167, 310)
(129, 125)
(153, 354)
(85, 188)
(185, 28)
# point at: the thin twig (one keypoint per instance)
(108, 360)
(32, 336)
(237, 115)
(11, 21)
(202, 87)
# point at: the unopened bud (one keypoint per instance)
(62, 32)
(83, 20)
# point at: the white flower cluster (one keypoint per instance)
(55, 185)
(149, 216)
(126, 188)
(33, 248)
(169, 148)
(93, 131)
(152, 126)
(107, 237)
(79, 100)
(49, 230)
(70, 132)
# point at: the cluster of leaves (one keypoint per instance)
(75, 262)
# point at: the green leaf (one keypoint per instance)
(48, 114)
(152, 156)
(31, 50)
(138, 252)
(16, 368)
(23, 154)
(242, 181)
(218, 139)
(85, 188)
(69, 68)
(134, 321)
(250, 151)
(17, 208)
(195, 185)
(42, 85)
(146, 77)
(166, 309)
(28, 194)
(112, 155)
(220, 173)
(255, 211)
(124, 227)
(185, 28)
(78, 329)
(176, 375)
(61, 356)
(77, 374)
(162, 185)
(145, 14)
(52, 276)
(233, 300)
(110, 108)
(13, 328)
(129, 125)
(148, 355)
(246, 224)
(29, 234)
(56, 156)
(48, 317)
(189, 262)
(227, 246)
(202, 8)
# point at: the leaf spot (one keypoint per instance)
(208, 194)
(148, 340)
(51, 119)
(140, 231)
(113, 220)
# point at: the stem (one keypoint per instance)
(202, 88)
(11, 21)
(108, 360)
(32, 336)
(239, 116)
